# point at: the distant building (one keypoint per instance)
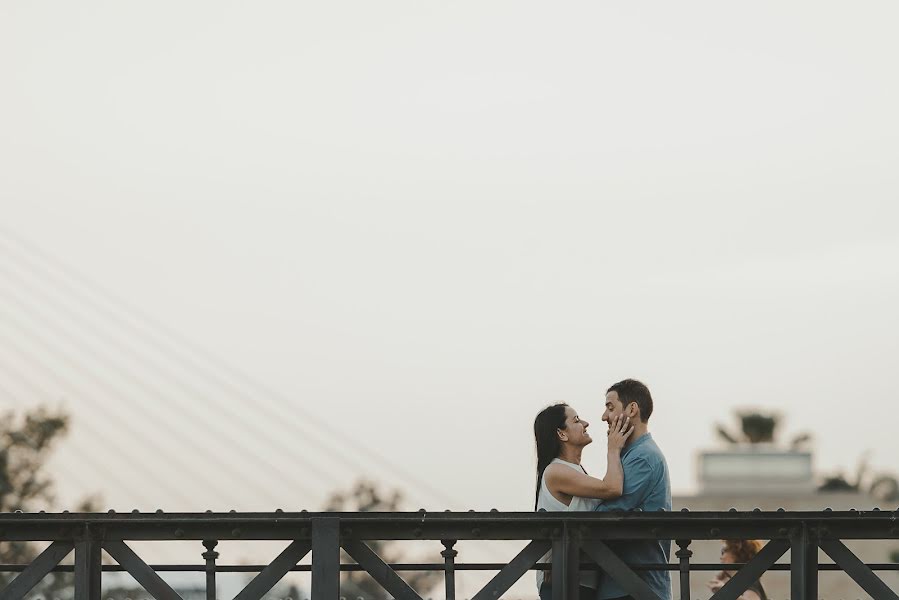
(756, 469)
(749, 476)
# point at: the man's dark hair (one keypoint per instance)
(631, 390)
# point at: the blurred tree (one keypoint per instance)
(26, 441)
(836, 483)
(883, 487)
(366, 497)
(758, 428)
(840, 482)
(800, 440)
(725, 435)
(755, 428)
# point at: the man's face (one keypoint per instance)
(614, 408)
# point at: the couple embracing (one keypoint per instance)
(636, 479)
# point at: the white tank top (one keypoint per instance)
(547, 501)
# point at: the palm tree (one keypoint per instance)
(758, 428)
(755, 428)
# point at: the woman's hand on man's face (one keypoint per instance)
(619, 430)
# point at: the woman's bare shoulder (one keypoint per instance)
(556, 471)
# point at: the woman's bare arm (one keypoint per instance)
(562, 480)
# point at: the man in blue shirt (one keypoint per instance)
(646, 488)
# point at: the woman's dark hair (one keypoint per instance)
(548, 421)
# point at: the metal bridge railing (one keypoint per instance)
(578, 541)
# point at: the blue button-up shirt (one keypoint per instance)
(647, 487)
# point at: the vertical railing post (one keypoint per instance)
(684, 555)
(88, 568)
(803, 565)
(210, 555)
(449, 567)
(325, 558)
(561, 564)
(573, 582)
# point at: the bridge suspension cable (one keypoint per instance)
(177, 353)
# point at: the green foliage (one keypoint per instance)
(725, 435)
(882, 487)
(885, 488)
(366, 497)
(837, 483)
(755, 428)
(26, 441)
(758, 427)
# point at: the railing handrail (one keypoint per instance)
(569, 535)
(873, 524)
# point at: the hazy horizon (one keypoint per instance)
(416, 224)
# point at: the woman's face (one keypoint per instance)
(575, 429)
(727, 557)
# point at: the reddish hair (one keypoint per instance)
(742, 550)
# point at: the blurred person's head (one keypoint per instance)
(558, 432)
(739, 551)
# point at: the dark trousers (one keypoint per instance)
(583, 592)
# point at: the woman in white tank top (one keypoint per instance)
(563, 484)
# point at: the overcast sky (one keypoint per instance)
(417, 223)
